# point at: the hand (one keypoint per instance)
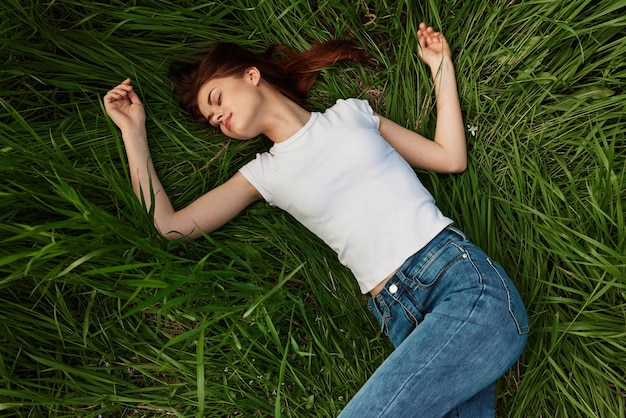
(124, 107)
(433, 47)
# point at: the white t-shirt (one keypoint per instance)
(345, 183)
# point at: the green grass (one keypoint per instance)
(101, 316)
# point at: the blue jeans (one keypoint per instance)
(457, 323)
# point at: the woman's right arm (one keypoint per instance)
(205, 214)
(446, 153)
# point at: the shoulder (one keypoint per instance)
(354, 109)
(352, 104)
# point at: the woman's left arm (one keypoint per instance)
(447, 153)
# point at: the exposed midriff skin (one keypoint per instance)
(381, 285)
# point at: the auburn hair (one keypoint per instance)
(293, 74)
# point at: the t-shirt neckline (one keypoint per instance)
(284, 145)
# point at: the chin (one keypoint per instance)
(241, 137)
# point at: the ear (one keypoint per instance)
(253, 75)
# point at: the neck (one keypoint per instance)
(283, 117)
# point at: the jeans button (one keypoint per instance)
(393, 289)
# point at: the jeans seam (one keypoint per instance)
(481, 279)
(520, 329)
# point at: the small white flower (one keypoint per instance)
(472, 129)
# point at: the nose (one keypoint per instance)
(217, 118)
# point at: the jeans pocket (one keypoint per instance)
(515, 302)
(452, 260)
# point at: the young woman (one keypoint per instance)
(454, 316)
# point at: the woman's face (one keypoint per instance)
(233, 104)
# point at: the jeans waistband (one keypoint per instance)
(448, 234)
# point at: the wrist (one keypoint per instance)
(135, 141)
(441, 65)
(134, 133)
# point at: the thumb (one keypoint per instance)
(134, 98)
(421, 45)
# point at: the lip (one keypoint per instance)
(227, 121)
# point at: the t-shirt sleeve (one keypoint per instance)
(365, 112)
(253, 172)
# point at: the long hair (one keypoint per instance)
(291, 73)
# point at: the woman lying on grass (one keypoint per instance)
(454, 316)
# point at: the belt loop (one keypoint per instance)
(381, 304)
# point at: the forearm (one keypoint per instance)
(145, 181)
(449, 130)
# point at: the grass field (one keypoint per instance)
(99, 315)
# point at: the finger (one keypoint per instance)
(114, 95)
(432, 35)
(121, 91)
(422, 29)
(124, 85)
(122, 88)
(111, 96)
